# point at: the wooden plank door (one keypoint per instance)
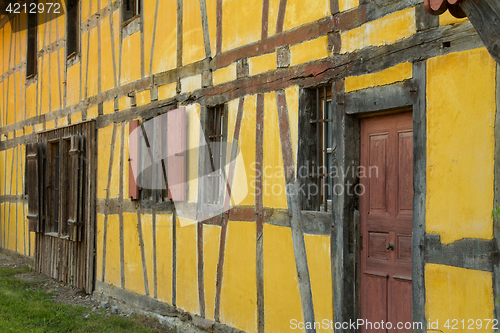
(386, 208)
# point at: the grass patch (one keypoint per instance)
(24, 308)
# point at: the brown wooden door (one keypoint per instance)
(386, 209)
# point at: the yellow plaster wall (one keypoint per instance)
(11, 101)
(164, 257)
(2, 108)
(114, 187)
(63, 121)
(211, 243)
(310, 50)
(224, 74)
(55, 81)
(85, 9)
(243, 189)
(108, 107)
(345, 5)
(190, 83)
(99, 244)
(8, 167)
(458, 293)
(320, 272)
(72, 91)
(134, 280)
(143, 97)
(3, 168)
(103, 151)
(262, 63)
(187, 267)
(212, 23)
(93, 64)
(239, 291)
(112, 273)
(50, 124)
(20, 228)
(241, 23)
(300, 12)
(147, 236)
(131, 58)
(281, 285)
(165, 54)
(167, 90)
(447, 18)
(400, 72)
(292, 103)
(385, 30)
(124, 103)
(11, 231)
(2, 223)
(107, 71)
(148, 17)
(273, 187)
(193, 46)
(460, 145)
(232, 107)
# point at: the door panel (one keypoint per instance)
(386, 218)
(377, 303)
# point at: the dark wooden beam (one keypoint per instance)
(469, 253)
(485, 17)
(392, 96)
(420, 191)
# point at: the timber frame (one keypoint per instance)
(429, 40)
(345, 236)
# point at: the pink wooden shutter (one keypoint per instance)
(177, 154)
(76, 200)
(32, 159)
(133, 189)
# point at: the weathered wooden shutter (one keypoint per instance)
(177, 154)
(33, 158)
(133, 164)
(76, 190)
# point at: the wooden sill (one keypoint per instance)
(72, 56)
(124, 24)
(56, 235)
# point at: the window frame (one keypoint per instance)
(129, 14)
(216, 135)
(315, 155)
(31, 45)
(73, 26)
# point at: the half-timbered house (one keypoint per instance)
(261, 165)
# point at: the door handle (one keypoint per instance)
(389, 246)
